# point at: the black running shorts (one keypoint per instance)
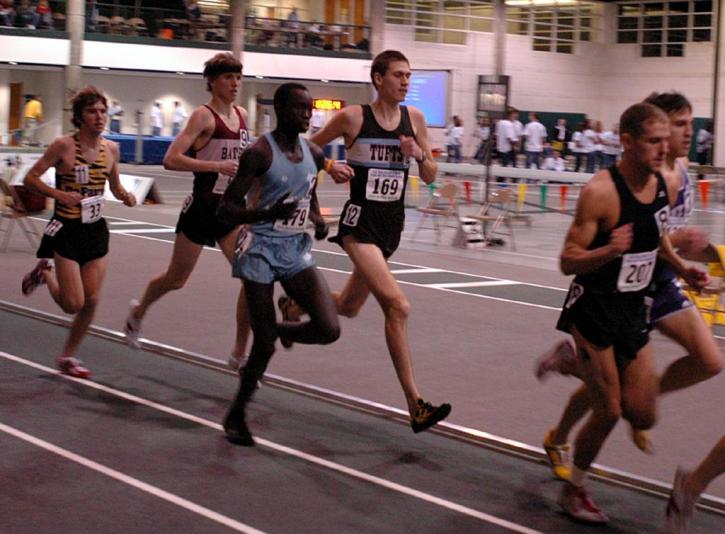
(74, 240)
(606, 320)
(198, 221)
(371, 224)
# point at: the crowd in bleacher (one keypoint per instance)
(190, 23)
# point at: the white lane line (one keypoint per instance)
(465, 293)
(482, 283)
(416, 271)
(131, 481)
(126, 223)
(427, 497)
(144, 231)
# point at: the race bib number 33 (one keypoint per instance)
(636, 271)
(91, 208)
(384, 185)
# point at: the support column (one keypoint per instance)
(499, 48)
(75, 18)
(718, 93)
(377, 26)
(239, 12)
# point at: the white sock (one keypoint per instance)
(578, 476)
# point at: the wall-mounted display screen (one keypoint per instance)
(428, 92)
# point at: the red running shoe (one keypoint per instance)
(73, 367)
(35, 277)
(576, 501)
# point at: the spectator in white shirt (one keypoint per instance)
(576, 145)
(177, 121)
(535, 134)
(589, 140)
(611, 146)
(482, 134)
(518, 130)
(455, 140)
(157, 119)
(554, 162)
(506, 140)
(115, 112)
(703, 143)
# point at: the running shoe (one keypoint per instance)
(642, 440)
(680, 506)
(576, 501)
(427, 415)
(235, 363)
(35, 277)
(236, 429)
(558, 456)
(559, 359)
(71, 366)
(132, 328)
(285, 306)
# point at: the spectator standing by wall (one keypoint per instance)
(178, 119)
(455, 140)
(518, 130)
(115, 112)
(505, 140)
(588, 145)
(576, 145)
(33, 115)
(293, 23)
(482, 134)
(703, 145)
(560, 137)
(611, 146)
(535, 134)
(157, 119)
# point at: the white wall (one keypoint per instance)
(138, 91)
(600, 80)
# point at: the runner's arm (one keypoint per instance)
(114, 180)
(694, 277)
(253, 163)
(321, 228)
(341, 124)
(575, 258)
(427, 167)
(176, 159)
(52, 157)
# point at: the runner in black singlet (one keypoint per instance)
(612, 246)
(76, 238)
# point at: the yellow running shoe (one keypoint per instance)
(558, 457)
(642, 440)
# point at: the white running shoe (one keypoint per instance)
(680, 506)
(235, 363)
(132, 328)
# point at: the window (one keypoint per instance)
(663, 28)
(553, 26)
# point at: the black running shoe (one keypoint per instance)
(236, 429)
(427, 415)
(285, 304)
